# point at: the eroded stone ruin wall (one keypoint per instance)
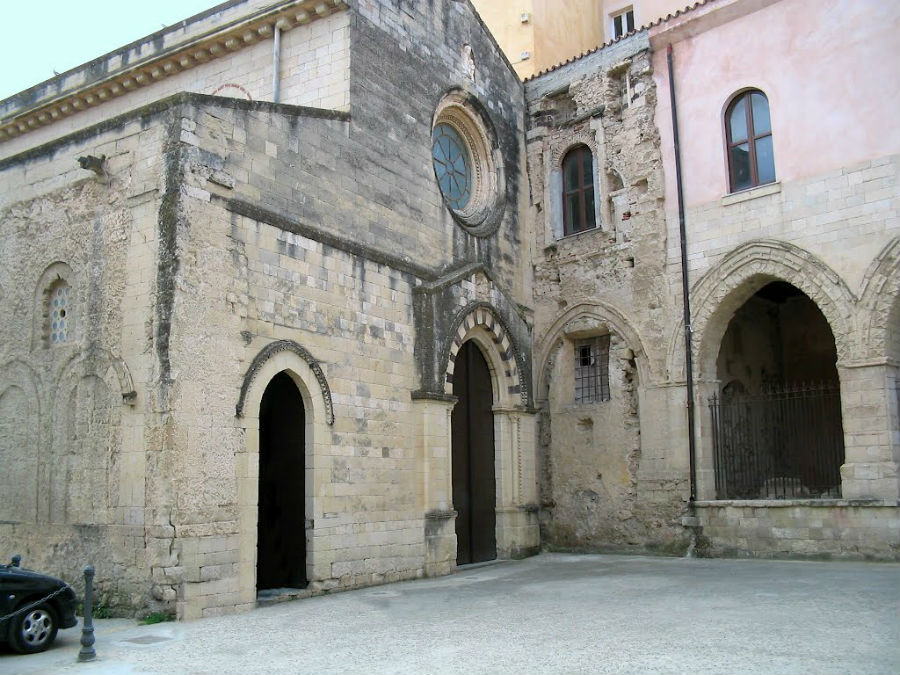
(609, 481)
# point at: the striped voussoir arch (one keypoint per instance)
(484, 317)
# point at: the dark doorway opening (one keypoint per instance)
(777, 429)
(281, 523)
(474, 484)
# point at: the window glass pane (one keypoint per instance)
(452, 166)
(737, 121)
(587, 166)
(617, 26)
(59, 313)
(592, 370)
(572, 214)
(740, 167)
(570, 169)
(603, 357)
(589, 209)
(585, 355)
(765, 160)
(629, 17)
(761, 123)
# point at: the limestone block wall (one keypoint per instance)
(314, 71)
(844, 217)
(829, 529)
(417, 53)
(229, 285)
(76, 419)
(290, 226)
(225, 240)
(836, 246)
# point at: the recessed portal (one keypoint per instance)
(474, 485)
(777, 422)
(281, 524)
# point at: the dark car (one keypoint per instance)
(33, 607)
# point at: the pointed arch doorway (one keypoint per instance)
(281, 519)
(472, 437)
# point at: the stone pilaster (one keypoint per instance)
(871, 448)
(433, 450)
(515, 438)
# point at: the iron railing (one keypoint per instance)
(786, 442)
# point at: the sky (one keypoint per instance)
(41, 36)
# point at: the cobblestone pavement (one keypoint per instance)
(554, 613)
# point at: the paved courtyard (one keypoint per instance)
(554, 613)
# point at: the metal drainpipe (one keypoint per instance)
(276, 66)
(688, 358)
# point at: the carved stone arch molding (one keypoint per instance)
(727, 286)
(560, 148)
(879, 303)
(596, 318)
(480, 318)
(18, 373)
(273, 349)
(87, 438)
(21, 443)
(106, 366)
(483, 213)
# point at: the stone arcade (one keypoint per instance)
(309, 295)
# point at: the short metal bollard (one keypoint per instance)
(87, 652)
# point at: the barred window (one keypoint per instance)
(592, 370)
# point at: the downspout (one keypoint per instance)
(688, 358)
(276, 66)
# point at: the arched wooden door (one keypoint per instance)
(281, 522)
(474, 484)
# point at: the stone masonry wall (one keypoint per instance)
(313, 227)
(315, 71)
(74, 417)
(251, 282)
(415, 53)
(219, 227)
(832, 529)
(604, 485)
(845, 217)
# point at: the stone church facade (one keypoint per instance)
(304, 298)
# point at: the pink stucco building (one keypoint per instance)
(775, 216)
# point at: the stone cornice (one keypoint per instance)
(151, 109)
(195, 50)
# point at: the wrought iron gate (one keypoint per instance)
(784, 443)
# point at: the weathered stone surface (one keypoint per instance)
(223, 239)
(221, 226)
(611, 280)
